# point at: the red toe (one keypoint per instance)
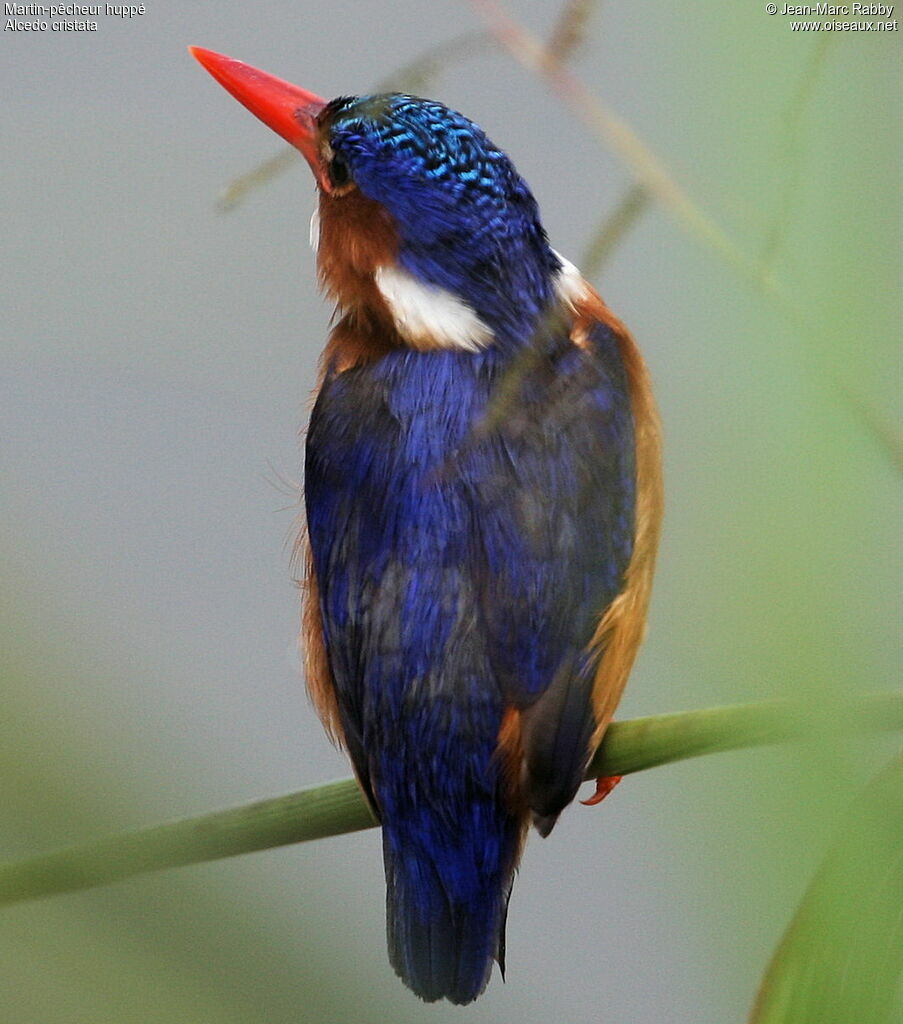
(603, 787)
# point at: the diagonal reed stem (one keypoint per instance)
(339, 807)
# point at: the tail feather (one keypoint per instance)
(442, 941)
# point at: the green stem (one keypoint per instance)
(339, 807)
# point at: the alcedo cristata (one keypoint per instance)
(483, 498)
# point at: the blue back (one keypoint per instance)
(464, 556)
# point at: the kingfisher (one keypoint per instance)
(482, 499)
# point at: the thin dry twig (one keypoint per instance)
(613, 229)
(419, 75)
(644, 164)
(889, 439)
(571, 29)
(238, 188)
(791, 155)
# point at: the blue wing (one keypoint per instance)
(445, 552)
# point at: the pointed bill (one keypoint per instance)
(288, 109)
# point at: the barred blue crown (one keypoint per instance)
(467, 220)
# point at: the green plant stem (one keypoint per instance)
(661, 739)
(339, 807)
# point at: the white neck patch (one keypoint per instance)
(315, 229)
(570, 285)
(429, 317)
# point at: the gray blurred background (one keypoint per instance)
(156, 359)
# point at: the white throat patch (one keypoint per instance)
(429, 317)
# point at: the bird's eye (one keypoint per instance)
(339, 174)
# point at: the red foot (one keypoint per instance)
(603, 787)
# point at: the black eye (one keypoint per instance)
(339, 174)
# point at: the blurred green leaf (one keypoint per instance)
(840, 960)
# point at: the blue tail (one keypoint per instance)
(446, 902)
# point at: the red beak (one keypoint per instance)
(287, 109)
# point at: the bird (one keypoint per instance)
(482, 506)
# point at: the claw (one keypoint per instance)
(604, 786)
